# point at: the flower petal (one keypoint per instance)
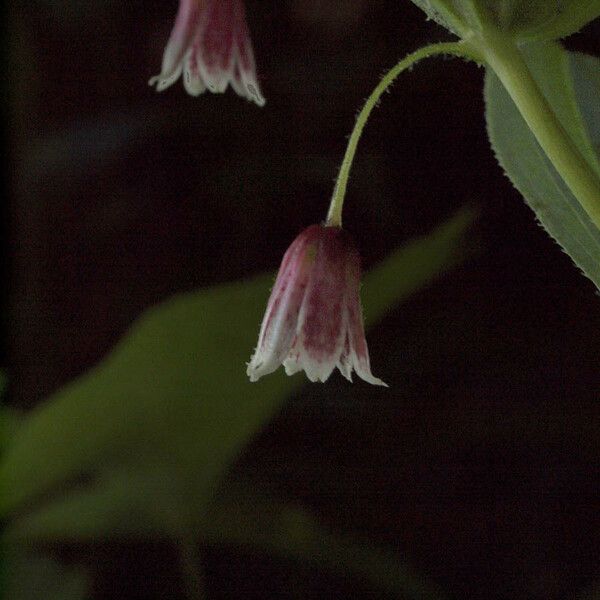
(344, 364)
(236, 79)
(279, 324)
(162, 83)
(192, 80)
(186, 25)
(216, 45)
(320, 332)
(246, 84)
(359, 353)
(293, 364)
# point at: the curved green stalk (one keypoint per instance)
(334, 216)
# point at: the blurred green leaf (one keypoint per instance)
(9, 417)
(524, 161)
(415, 265)
(9, 421)
(585, 71)
(540, 19)
(137, 445)
(518, 19)
(545, 20)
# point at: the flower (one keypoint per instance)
(211, 44)
(314, 318)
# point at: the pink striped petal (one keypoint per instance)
(279, 324)
(186, 25)
(236, 80)
(320, 335)
(216, 45)
(247, 84)
(192, 80)
(344, 363)
(359, 353)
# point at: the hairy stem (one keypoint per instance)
(334, 216)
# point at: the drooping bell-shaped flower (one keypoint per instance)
(314, 318)
(210, 43)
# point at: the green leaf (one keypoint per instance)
(527, 166)
(137, 445)
(585, 71)
(540, 19)
(521, 20)
(9, 417)
(545, 20)
(9, 421)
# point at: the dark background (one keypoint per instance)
(480, 464)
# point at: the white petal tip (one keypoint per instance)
(161, 82)
(291, 368)
(372, 380)
(194, 88)
(254, 95)
(259, 367)
(249, 91)
(252, 376)
(345, 373)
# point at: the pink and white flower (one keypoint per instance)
(210, 43)
(314, 317)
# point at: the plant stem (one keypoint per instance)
(509, 65)
(334, 216)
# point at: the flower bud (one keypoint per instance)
(314, 319)
(210, 43)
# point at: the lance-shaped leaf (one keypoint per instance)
(142, 440)
(520, 20)
(525, 162)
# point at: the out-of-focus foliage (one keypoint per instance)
(585, 73)
(172, 403)
(518, 19)
(9, 417)
(137, 446)
(9, 420)
(517, 150)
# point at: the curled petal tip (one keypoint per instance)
(253, 94)
(372, 380)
